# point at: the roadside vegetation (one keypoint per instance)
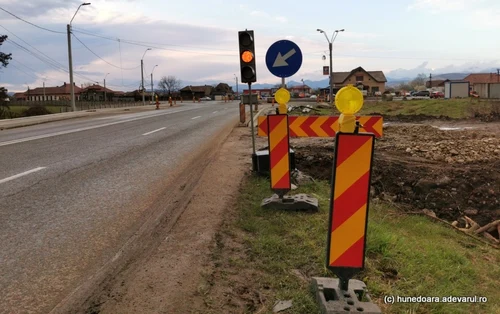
(270, 255)
(11, 111)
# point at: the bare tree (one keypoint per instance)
(419, 81)
(169, 84)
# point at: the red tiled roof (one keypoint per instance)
(476, 78)
(96, 88)
(58, 90)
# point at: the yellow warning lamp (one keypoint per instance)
(247, 56)
(348, 101)
(282, 97)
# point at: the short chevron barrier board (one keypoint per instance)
(349, 203)
(322, 126)
(279, 155)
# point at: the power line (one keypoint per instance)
(40, 27)
(56, 62)
(21, 70)
(142, 42)
(52, 64)
(95, 54)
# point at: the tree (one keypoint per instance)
(419, 80)
(4, 57)
(4, 61)
(169, 84)
(404, 86)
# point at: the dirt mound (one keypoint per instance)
(452, 173)
(450, 146)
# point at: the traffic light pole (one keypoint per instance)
(251, 116)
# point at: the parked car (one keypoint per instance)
(422, 93)
(313, 96)
(270, 99)
(206, 98)
(437, 94)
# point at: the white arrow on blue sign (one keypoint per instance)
(284, 58)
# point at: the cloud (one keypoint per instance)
(259, 14)
(436, 6)
(281, 19)
(38, 8)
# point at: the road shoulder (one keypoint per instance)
(167, 281)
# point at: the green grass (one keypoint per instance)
(19, 109)
(425, 258)
(453, 108)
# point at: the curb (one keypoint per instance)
(27, 121)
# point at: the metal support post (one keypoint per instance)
(251, 116)
(330, 45)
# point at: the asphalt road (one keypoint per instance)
(73, 192)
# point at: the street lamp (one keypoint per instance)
(330, 46)
(70, 58)
(105, 87)
(142, 76)
(152, 90)
(236, 78)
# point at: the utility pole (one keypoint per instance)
(43, 90)
(142, 76)
(430, 80)
(498, 75)
(152, 90)
(70, 58)
(105, 94)
(236, 78)
(142, 84)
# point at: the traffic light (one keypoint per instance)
(247, 57)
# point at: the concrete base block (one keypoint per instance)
(333, 300)
(298, 202)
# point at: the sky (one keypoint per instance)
(197, 41)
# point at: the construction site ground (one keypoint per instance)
(226, 255)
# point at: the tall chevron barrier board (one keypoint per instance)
(279, 146)
(349, 203)
(322, 126)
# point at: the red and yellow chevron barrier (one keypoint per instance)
(322, 126)
(279, 159)
(349, 205)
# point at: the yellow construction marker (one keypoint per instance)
(348, 101)
(282, 97)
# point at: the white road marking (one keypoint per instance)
(154, 131)
(196, 117)
(21, 174)
(31, 138)
(215, 112)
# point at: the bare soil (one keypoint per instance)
(451, 172)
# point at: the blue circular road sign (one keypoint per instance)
(284, 58)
